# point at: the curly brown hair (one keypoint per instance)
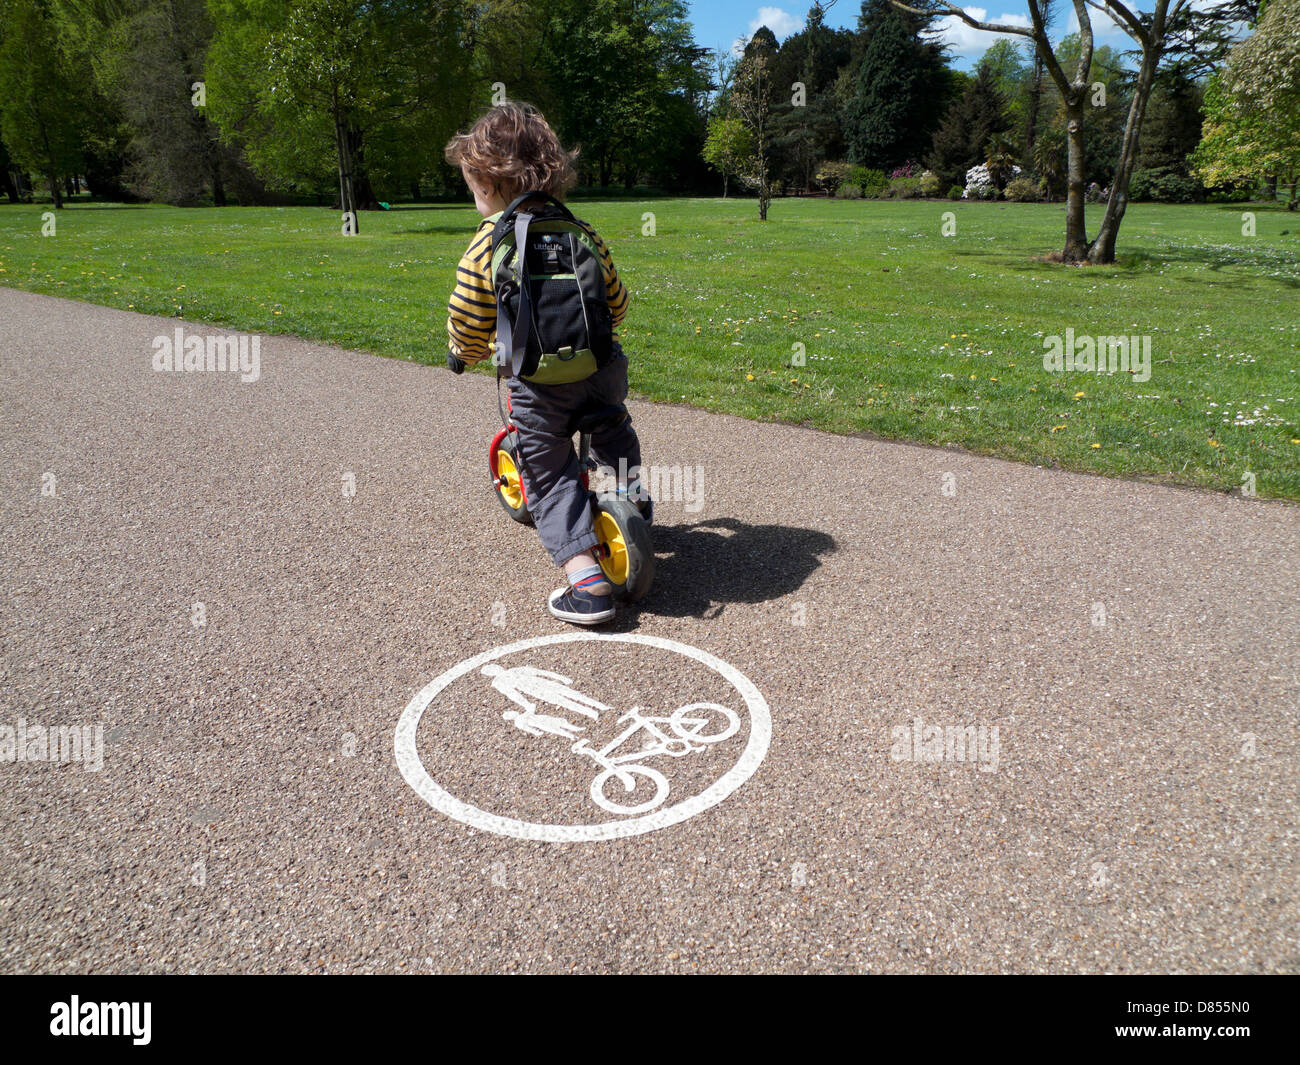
(513, 149)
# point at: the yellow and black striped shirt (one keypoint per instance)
(471, 311)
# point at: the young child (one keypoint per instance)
(509, 151)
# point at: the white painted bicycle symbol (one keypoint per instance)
(693, 728)
(690, 728)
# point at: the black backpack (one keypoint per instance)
(553, 320)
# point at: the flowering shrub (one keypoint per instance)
(831, 175)
(980, 185)
(904, 188)
(1024, 189)
(907, 170)
(930, 184)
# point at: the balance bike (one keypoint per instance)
(625, 551)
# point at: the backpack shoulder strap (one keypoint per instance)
(518, 342)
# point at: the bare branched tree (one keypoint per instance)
(1151, 32)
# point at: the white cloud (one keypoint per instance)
(1105, 29)
(780, 22)
(967, 41)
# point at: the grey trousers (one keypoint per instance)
(545, 415)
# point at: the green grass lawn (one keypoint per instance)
(908, 334)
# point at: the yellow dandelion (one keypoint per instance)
(1096, 445)
(1055, 428)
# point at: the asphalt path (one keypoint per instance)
(961, 715)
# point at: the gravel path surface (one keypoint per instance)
(1116, 666)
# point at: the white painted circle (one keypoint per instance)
(414, 773)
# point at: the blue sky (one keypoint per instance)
(719, 23)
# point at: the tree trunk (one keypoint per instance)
(10, 189)
(1031, 113)
(1076, 231)
(347, 195)
(1102, 251)
(363, 193)
(218, 186)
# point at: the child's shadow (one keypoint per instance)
(700, 568)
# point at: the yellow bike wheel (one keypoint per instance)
(509, 483)
(613, 559)
(626, 553)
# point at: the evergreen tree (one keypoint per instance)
(806, 123)
(1172, 128)
(963, 137)
(900, 85)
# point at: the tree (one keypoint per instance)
(1173, 125)
(1201, 35)
(727, 147)
(1037, 79)
(806, 126)
(619, 65)
(962, 139)
(146, 59)
(369, 91)
(751, 100)
(900, 82)
(1107, 100)
(1252, 110)
(1007, 68)
(1150, 31)
(44, 104)
(7, 183)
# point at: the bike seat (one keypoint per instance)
(588, 421)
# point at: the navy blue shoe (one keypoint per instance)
(580, 608)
